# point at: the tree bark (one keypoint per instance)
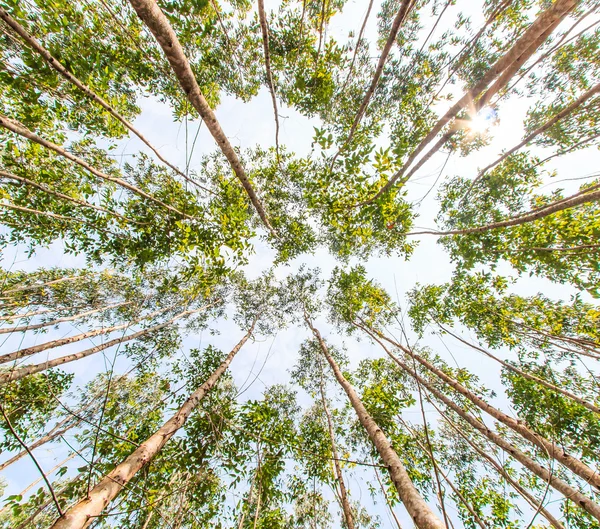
(83, 513)
(514, 484)
(347, 509)
(526, 375)
(543, 473)
(553, 450)
(26, 328)
(570, 202)
(419, 511)
(18, 374)
(151, 14)
(549, 18)
(265, 39)
(21, 130)
(72, 339)
(58, 67)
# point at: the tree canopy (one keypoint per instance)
(300, 264)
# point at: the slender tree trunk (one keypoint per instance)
(387, 499)
(72, 339)
(83, 513)
(420, 512)
(41, 285)
(57, 431)
(13, 317)
(21, 130)
(18, 374)
(26, 328)
(543, 473)
(531, 216)
(265, 39)
(456, 491)
(553, 450)
(549, 18)
(58, 67)
(532, 500)
(356, 48)
(68, 198)
(526, 375)
(336, 461)
(543, 128)
(401, 16)
(151, 14)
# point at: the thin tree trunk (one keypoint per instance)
(543, 128)
(547, 19)
(446, 478)
(18, 374)
(57, 66)
(543, 473)
(57, 216)
(336, 461)
(531, 216)
(420, 512)
(26, 328)
(21, 130)
(532, 500)
(356, 48)
(41, 285)
(387, 499)
(74, 200)
(26, 315)
(151, 14)
(526, 375)
(265, 39)
(84, 513)
(72, 339)
(34, 483)
(403, 12)
(553, 450)
(55, 432)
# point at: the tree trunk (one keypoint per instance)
(26, 328)
(532, 500)
(517, 425)
(547, 19)
(21, 130)
(347, 509)
(72, 339)
(526, 375)
(57, 66)
(18, 374)
(420, 512)
(543, 473)
(82, 514)
(151, 14)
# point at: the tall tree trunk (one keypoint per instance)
(83, 513)
(583, 197)
(41, 285)
(58, 67)
(549, 18)
(347, 509)
(542, 472)
(553, 450)
(26, 328)
(419, 511)
(55, 432)
(532, 500)
(77, 338)
(526, 375)
(151, 14)
(18, 374)
(22, 130)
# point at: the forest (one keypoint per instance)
(300, 264)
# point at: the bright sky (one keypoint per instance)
(267, 362)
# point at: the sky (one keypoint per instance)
(268, 361)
